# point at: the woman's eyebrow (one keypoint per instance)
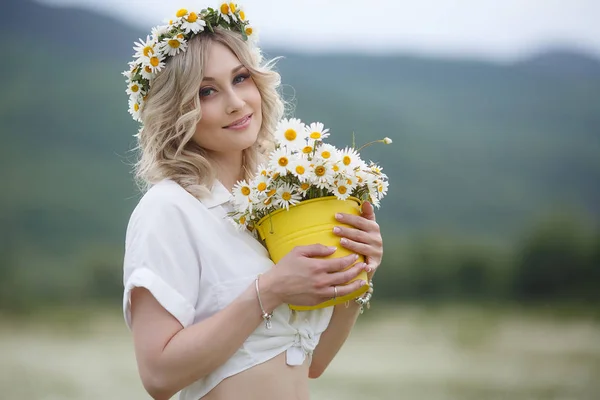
(233, 71)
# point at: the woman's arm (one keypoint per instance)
(171, 357)
(333, 338)
(364, 238)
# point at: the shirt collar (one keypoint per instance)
(218, 195)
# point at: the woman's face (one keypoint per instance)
(231, 104)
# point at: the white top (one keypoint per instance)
(195, 262)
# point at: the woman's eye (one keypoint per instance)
(241, 78)
(206, 92)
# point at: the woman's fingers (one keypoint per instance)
(359, 222)
(343, 290)
(339, 264)
(343, 277)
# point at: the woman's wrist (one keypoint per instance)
(269, 297)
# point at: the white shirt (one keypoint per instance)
(195, 263)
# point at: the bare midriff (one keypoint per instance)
(271, 380)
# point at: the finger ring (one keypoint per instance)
(335, 292)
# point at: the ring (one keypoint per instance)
(335, 292)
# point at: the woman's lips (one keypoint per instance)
(241, 123)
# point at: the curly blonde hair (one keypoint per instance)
(172, 110)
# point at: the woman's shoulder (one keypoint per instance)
(165, 200)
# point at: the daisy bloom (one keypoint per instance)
(154, 62)
(349, 159)
(146, 72)
(144, 49)
(172, 46)
(291, 133)
(303, 188)
(321, 174)
(251, 32)
(307, 151)
(134, 89)
(316, 132)
(261, 184)
(280, 161)
(159, 31)
(243, 196)
(286, 196)
(376, 169)
(327, 153)
(242, 14)
(300, 168)
(192, 23)
(226, 11)
(134, 108)
(341, 190)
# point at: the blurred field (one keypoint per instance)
(401, 353)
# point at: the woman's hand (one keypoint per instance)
(364, 238)
(303, 278)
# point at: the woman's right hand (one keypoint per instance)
(303, 278)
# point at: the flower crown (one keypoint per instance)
(169, 40)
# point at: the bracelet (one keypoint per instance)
(365, 299)
(265, 315)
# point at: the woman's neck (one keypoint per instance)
(229, 168)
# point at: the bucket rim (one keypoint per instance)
(352, 198)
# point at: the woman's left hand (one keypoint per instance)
(363, 238)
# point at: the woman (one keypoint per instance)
(198, 291)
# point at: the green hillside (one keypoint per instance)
(479, 149)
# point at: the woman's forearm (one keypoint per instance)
(199, 349)
(342, 322)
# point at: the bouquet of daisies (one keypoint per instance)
(302, 167)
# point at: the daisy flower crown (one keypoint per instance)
(169, 40)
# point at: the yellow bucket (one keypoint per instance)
(310, 222)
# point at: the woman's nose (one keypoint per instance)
(234, 102)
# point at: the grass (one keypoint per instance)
(395, 352)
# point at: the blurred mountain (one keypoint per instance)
(561, 62)
(479, 149)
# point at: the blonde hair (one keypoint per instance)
(172, 110)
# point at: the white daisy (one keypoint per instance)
(251, 32)
(159, 31)
(382, 188)
(349, 159)
(376, 169)
(172, 46)
(226, 11)
(144, 48)
(307, 152)
(341, 189)
(242, 14)
(154, 61)
(316, 131)
(280, 161)
(304, 188)
(146, 72)
(192, 23)
(291, 133)
(135, 107)
(261, 184)
(327, 153)
(300, 168)
(263, 170)
(240, 221)
(243, 196)
(134, 89)
(321, 174)
(286, 196)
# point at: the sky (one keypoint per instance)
(482, 29)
